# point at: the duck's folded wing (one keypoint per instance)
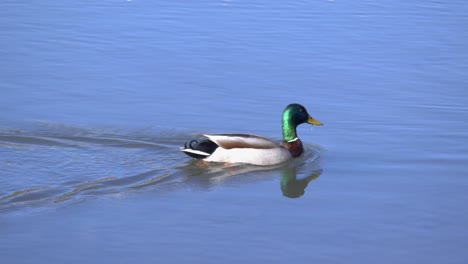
(229, 141)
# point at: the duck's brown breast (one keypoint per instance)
(294, 147)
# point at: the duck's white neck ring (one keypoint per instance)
(292, 140)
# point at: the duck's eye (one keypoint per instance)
(301, 110)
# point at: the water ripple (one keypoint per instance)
(52, 167)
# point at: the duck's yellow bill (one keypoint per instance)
(314, 122)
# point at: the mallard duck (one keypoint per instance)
(251, 149)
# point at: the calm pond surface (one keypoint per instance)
(96, 97)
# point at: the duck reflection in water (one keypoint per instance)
(207, 175)
(291, 186)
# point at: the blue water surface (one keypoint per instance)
(96, 97)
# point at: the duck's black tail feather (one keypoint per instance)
(199, 149)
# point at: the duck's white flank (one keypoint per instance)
(264, 157)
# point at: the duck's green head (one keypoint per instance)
(294, 115)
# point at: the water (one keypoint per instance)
(96, 98)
